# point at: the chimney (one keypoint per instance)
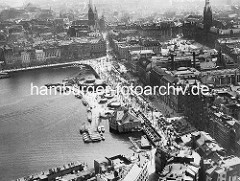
(220, 57)
(194, 60)
(172, 62)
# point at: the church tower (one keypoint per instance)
(96, 19)
(96, 14)
(91, 16)
(102, 23)
(207, 16)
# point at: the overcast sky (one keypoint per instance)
(17, 3)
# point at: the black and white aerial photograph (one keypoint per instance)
(119, 90)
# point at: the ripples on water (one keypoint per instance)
(41, 132)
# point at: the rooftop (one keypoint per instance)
(179, 172)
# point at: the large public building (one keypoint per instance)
(208, 29)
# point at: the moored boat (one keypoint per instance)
(4, 75)
(99, 129)
(103, 100)
(86, 138)
(102, 129)
(114, 105)
(89, 110)
(96, 139)
(103, 138)
(85, 103)
(108, 96)
(83, 129)
(79, 96)
(95, 136)
(50, 85)
(89, 118)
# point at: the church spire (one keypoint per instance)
(91, 16)
(207, 15)
(96, 13)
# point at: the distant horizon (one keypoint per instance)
(20, 3)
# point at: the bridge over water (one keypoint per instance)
(85, 63)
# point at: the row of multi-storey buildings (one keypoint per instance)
(223, 92)
(42, 41)
(47, 52)
(208, 29)
(183, 63)
(162, 29)
(124, 46)
(122, 168)
(216, 112)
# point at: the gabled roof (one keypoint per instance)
(119, 115)
(130, 117)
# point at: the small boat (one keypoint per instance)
(85, 103)
(86, 138)
(4, 75)
(79, 96)
(83, 129)
(89, 110)
(99, 129)
(89, 118)
(67, 89)
(95, 137)
(114, 105)
(90, 80)
(108, 96)
(49, 85)
(102, 129)
(61, 89)
(103, 100)
(103, 138)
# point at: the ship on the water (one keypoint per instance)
(92, 136)
(79, 96)
(51, 85)
(84, 102)
(4, 75)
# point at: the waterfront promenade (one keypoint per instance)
(42, 132)
(102, 67)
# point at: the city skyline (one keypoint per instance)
(19, 3)
(120, 90)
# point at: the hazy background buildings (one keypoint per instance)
(136, 8)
